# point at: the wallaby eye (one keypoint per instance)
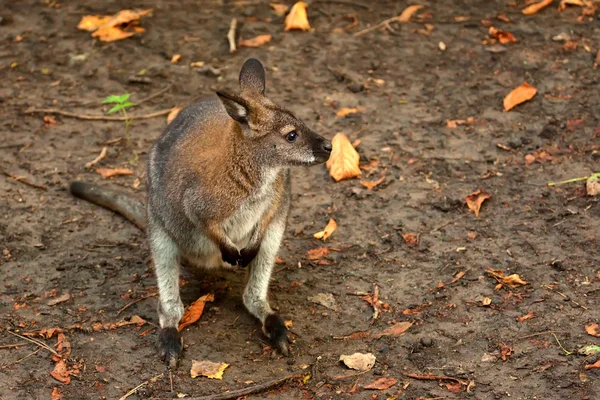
(292, 136)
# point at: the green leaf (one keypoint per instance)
(127, 104)
(589, 350)
(116, 108)
(116, 99)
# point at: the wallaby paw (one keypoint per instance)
(232, 257)
(247, 256)
(275, 329)
(169, 346)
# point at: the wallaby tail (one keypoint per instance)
(114, 200)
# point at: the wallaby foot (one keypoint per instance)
(275, 329)
(169, 346)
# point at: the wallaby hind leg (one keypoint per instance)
(170, 307)
(255, 294)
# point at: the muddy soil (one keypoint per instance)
(55, 245)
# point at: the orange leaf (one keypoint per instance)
(329, 229)
(111, 34)
(381, 384)
(175, 59)
(410, 239)
(505, 351)
(173, 114)
(347, 111)
(279, 9)
(195, 310)
(474, 200)
(513, 280)
(408, 12)
(56, 394)
(593, 366)
(534, 8)
(297, 18)
(316, 254)
(564, 3)
(502, 36)
(92, 22)
(593, 329)
(370, 185)
(394, 330)
(256, 41)
(525, 317)
(343, 161)
(519, 95)
(60, 372)
(454, 387)
(110, 172)
(109, 29)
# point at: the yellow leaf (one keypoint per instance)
(343, 161)
(347, 111)
(329, 229)
(408, 13)
(486, 301)
(297, 18)
(279, 9)
(534, 8)
(208, 369)
(564, 3)
(172, 114)
(474, 200)
(513, 280)
(111, 34)
(519, 95)
(92, 22)
(175, 59)
(256, 41)
(109, 29)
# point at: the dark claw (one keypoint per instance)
(169, 346)
(275, 329)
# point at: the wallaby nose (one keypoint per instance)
(327, 146)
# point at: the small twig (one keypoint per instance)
(100, 157)
(375, 304)
(36, 342)
(347, 2)
(537, 334)
(10, 346)
(10, 146)
(565, 297)
(24, 180)
(231, 35)
(242, 392)
(379, 25)
(567, 352)
(135, 389)
(583, 178)
(152, 96)
(435, 378)
(95, 117)
(136, 301)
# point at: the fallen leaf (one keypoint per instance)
(111, 172)
(475, 199)
(589, 350)
(408, 12)
(593, 329)
(195, 310)
(505, 351)
(208, 369)
(342, 112)
(134, 320)
(61, 373)
(111, 34)
(534, 8)
(416, 310)
(100, 369)
(564, 3)
(593, 366)
(502, 36)
(324, 299)
(454, 387)
(454, 123)
(395, 330)
(279, 9)
(297, 18)
(59, 299)
(197, 64)
(173, 114)
(411, 239)
(525, 317)
(316, 254)
(513, 280)
(63, 347)
(49, 120)
(288, 324)
(371, 184)
(117, 27)
(592, 185)
(256, 41)
(344, 159)
(329, 229)
(519, 95)
(92, 22)
(56, 394)
(381, 384)
(486, 301)
(359, 361)
(175, 59)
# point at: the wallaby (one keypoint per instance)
(218, 196)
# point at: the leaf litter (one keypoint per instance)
(476, 199)
(120, 26)
(328, 231)
(344, 160)
(359, 361)
(209, 369)
(195, 310)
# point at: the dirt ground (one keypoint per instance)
(54, 245)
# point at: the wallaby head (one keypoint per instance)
(271, 131)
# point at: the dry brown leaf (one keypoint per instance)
(525, 317)
(513, 280)
(564, 3)
(408, 12)
(342, 112)
(175, 59)
(208, 369)
(59, 299)
(519, 95)
(534, 8)
(92, 22)
(279, 9)
(397, 329)
(593, 366)
(486, 301)
(255, 41)
(593, 329)
(56, 394)
(592, 185)
(134, 320)
(297, 18)
(329, 229)
(454, 123)
(359, 361)
(502, 36)
(316, 254)
(411, 239)
(173, 114)
(475, 199)
(344, 159)
(195, 310)
(505, 351)
(61, 373)
(381, 384)
(371, 184)
(325, 299)
(116, 27)
(111, 172)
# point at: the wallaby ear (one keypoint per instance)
(252, 77)
(236, 107)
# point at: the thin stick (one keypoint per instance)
(434, 378)
(136, 301)
(567, 352)
(538, 334)
(242, 392)
(347, 2)
(27, 356)
(152, 96)
(16, 345)
(36, 342)
(24, 180)
(135, 389)
(100, 157)
(231, 35)
(583, 178)
(565, 297)
(379, 25)
(95, 117)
